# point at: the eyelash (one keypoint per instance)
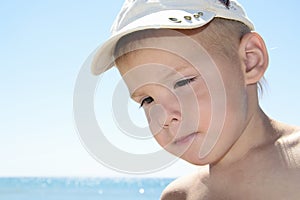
(180, 83)
(146, 100)
(184, 82)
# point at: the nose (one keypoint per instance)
(165, 114)
(171, 118)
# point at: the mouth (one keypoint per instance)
(185, 139)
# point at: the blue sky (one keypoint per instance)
(42, 47)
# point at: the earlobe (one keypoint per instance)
(254, 55)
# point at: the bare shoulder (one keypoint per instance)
(289, 145)
(192, 186)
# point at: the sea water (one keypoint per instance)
(82, 188)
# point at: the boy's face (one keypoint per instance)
(191, 113)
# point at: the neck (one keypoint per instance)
(258, 133)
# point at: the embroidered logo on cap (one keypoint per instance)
(225, 3)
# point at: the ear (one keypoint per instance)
(254, 55)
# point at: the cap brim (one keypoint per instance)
(103, 58)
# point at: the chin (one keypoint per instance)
(195, 161)
(193, 157)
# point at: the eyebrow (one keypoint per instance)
(175, 70)
(135, 94)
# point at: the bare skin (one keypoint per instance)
(254, 157)
(260, 174)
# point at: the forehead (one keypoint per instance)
(153, 66)
(153, 59)
(161, 46)
(166, 39)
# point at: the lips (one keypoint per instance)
(185, 139)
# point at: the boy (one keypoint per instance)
(195, 66)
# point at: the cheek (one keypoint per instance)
(204, 114)
(198, 102)
(236, 113)
(236, 98)
(234, 122)
(223, 116)
(154, 127)
(155, 116)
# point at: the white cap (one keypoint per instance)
(138, 15)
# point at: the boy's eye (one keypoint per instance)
(147, 100)
(184, 82)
